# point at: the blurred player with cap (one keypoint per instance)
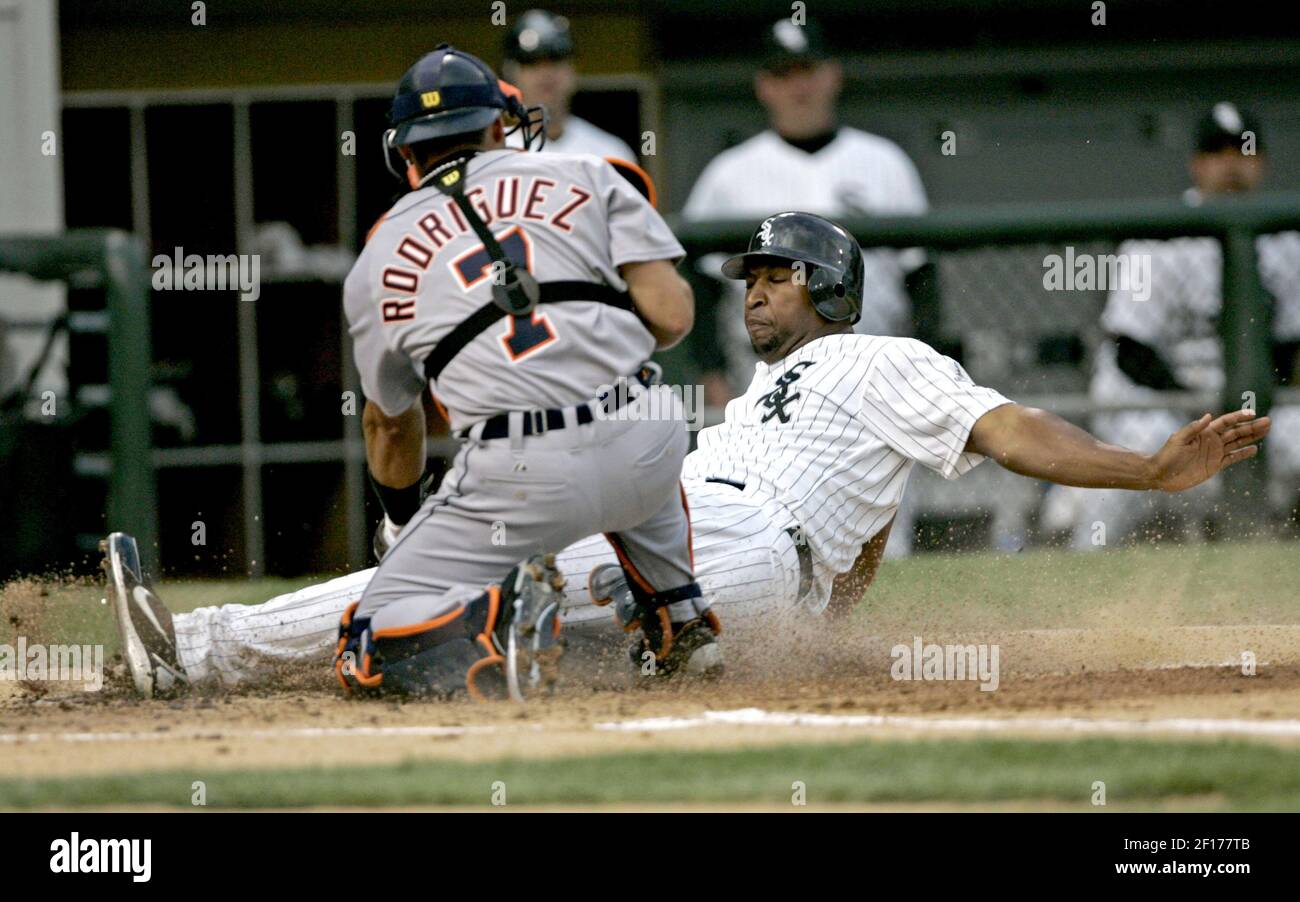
(539, 61)
(1228, 156)
(1170, 342)
(807, 160)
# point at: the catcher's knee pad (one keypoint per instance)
(438, 656)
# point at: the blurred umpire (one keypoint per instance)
(1170, 341)
(539, 62)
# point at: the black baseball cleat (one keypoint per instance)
(143, 621)
(663, 649)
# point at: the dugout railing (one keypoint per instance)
(115, 262)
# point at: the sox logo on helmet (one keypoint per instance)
(832, 255)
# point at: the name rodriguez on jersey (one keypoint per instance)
(510, 198)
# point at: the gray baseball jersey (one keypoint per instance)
(423, 271)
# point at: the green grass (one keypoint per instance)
(1225, 583)
(73, 612)
(1136, 772)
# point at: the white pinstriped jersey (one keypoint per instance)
(824, 439)
(1180, 318)
(830, 433)
(580, 136)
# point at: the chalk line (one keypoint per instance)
(741, 717)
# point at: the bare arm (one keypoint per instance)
(395, 447)
(849, 587)
(662, 298)
(1041, 445)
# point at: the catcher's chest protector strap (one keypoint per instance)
(491, 312)
(519, 294)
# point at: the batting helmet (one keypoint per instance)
(836, 275)
(539, 35)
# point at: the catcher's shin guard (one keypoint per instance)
(678, 628)
(502, 643)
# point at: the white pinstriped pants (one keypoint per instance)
(746, 564)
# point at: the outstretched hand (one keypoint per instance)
(1204, 447)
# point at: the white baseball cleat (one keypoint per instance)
(143, 621)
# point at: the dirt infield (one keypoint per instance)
(1125, 646)
(1050, 684)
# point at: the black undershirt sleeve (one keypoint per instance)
(1286, 362)
(1144, 365)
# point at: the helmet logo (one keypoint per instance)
(431, 99)
(765, 232)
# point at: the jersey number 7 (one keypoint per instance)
(475, 266)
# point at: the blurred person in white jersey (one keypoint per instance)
(539, 62)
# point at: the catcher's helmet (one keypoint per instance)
(836, 275)
(539, 35)
(447, 92)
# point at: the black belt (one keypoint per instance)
(537, 422)
(719, 479)
(805, 559)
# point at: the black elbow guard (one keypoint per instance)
(1286, 362)
(400, 505)
(1144, 365)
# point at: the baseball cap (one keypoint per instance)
(1222, 127)
(539, 35)
(786, 44)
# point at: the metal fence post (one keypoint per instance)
(132, 499)
(1246, 330)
